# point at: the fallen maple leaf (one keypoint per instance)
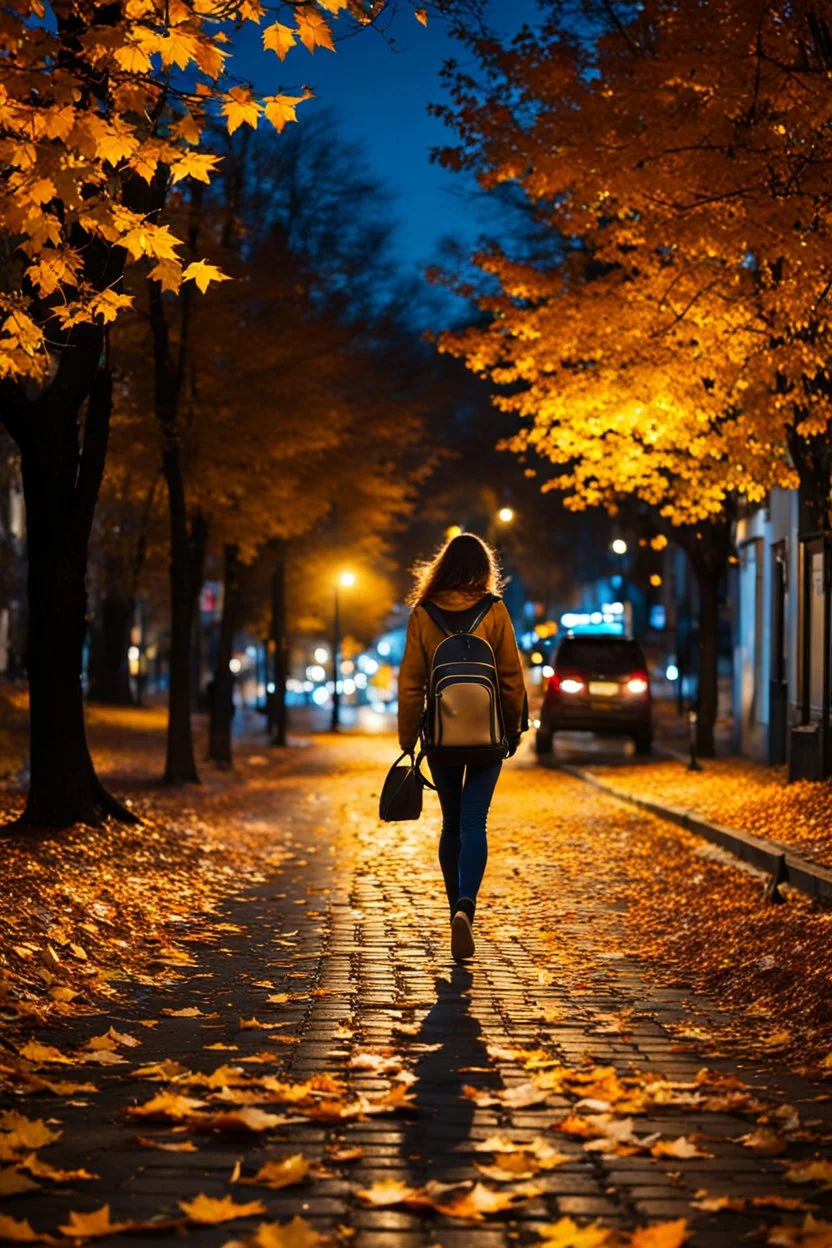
(25, 1133)
(681, 1147)
(295, 1234)
(191, 1011)
(810, 1171)
(166, 1106)
(42, 1170)
(208, 1211)
(811, 1234)
(661, 1235)
(481, 1201)
(387, 1192)
(19, 1232)
(167, 1146)
(277, 1174)
(565, 1233)
(13, 1182)
(44, 1054)
(92, 1225)
(248, 1119)
(764, 1141)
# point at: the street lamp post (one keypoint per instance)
(344, 581)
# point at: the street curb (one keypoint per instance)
(778, 861)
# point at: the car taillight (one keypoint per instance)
(638, 683)
(563, 683)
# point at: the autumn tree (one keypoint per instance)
(102, 108)
(680, 151)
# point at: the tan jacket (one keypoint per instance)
(423, 636)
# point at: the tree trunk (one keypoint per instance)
(180, 764)
(222, 701)
(109, 666)
(280, 652)
(708, 547)
(60, 485)
(707, 702)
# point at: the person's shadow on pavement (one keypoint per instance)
(443, 1115)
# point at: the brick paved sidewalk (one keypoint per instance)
(354, 930)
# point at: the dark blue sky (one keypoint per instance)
(381, 94)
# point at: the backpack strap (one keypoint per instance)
(437, 617)
(439, 620)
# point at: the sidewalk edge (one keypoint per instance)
(769, 856)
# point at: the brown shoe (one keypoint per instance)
(462, 937)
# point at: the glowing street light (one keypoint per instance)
(345, 580)
(505, 515)
(619, 546)
(453, 530)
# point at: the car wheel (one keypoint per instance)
(543, 741)
(644, 743)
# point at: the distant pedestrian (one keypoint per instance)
(457, 592)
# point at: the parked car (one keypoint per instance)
(600, 684)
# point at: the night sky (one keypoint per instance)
(381, 94)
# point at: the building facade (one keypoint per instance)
(781, 677)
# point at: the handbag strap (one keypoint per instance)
(417, 764)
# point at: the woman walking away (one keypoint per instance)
(456, 595)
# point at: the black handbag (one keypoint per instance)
(401, 795)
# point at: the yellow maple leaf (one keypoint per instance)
(199, 165)
(132, 59)
(207, 1210)
(44, 1054)
(810, 1171)
(279, 110)
(201, 272)
(13, 1182)
(42, 1170)
(333, 6)
(681, 1147)
(91, 1225)
(295, 1234)
(154, 241)
(661, 1235)
(167, 1146)
(565, 1233)
(178, 47)
(16, 1231)
(277, 1174)
(240, 108)
(166, 1106)
(279, 38)
(314, 31)
(107, 304)
(481, 1201)
(28, 1133)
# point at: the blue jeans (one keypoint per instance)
(465, 795)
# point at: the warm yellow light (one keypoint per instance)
(346, 579)
(655, 580)
(536, 656)
(506, 515)
(619, 546)
(453, 531)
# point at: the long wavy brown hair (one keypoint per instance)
(465, 563)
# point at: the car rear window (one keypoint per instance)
(614, 658)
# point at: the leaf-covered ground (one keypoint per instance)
(741, 794)
(262, 1039)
